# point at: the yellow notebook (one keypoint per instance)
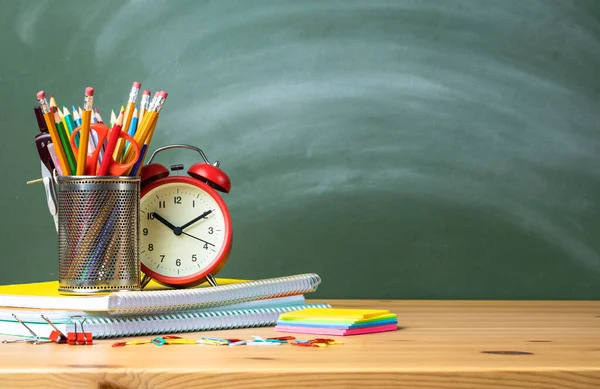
(45, 295)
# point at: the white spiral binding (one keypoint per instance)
(110, 327)
(163, 301)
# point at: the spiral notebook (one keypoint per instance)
(161, 301)
(106, 326)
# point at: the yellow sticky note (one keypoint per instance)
(334, 313)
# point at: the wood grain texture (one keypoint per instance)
(440, 344)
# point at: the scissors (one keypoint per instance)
(91, 163)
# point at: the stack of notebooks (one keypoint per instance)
(156, 309)
(329, 321)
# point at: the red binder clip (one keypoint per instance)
(82, 337)
(56, 335)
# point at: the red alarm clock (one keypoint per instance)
(185, 227)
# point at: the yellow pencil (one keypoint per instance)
(144, 104)
(49, 119)
(118, 154)
(147, 124)
(84, 133)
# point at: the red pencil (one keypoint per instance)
(113, 137)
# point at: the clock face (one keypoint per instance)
(184, 231)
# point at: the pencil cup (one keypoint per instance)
(98, 242)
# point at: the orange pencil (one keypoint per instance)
(84, 133)
(135, 89)
(146, 126)
(49, 119)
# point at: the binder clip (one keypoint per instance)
(33, 339)
(75, 338)
(56, 335)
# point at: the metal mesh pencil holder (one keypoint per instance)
(98, 240)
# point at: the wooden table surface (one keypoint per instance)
(440, 344)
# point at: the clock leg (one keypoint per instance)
(145, 280)
(211, 280)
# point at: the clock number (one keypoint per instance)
(177, 200)
(205, 246)
(210, 230)
(162, 204)
(145, 231)
(178, 262)
(150, 247)
(162, 258)
(193, 203)
(151, 216)
(194, 258)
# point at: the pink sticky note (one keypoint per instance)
(334, 331)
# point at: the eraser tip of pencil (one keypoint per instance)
(163, 94)
(41, 95)
(137, 84)
(89, 91)
(146, 92)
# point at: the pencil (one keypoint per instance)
(113, 118)
(98, 117)
(53, 102)
(86, 114)
(140, 161)
(68, 118)
(144, 104)
(49, 119)
(113, 136)
(135, 89)
(149, 117)
(55, 160)
(64, 141)
(64, 123)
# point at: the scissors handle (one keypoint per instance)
(91, 165)
(119, 169)
(91, 161)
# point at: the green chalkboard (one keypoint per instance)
(400, 149)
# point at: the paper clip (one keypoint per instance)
(214, 341)
(263, 343)
(74, 338)
(303, 343)
(131, 342)
(34, 339)
(158, 341)
(282, 338)
(56, 335)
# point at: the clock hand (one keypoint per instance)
(176, 230)
(201, 240)
(196, 219)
